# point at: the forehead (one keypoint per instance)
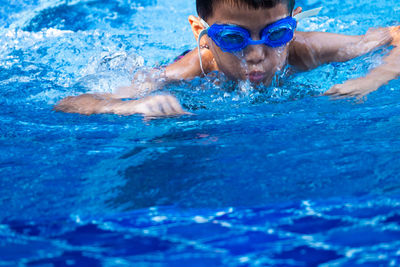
(247, 17)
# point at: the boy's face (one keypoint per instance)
(257, 63)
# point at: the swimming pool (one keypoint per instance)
(283, 177)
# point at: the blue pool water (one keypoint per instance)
(279, 178)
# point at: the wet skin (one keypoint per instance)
(257, 63)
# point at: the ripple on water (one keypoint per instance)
(77, 190)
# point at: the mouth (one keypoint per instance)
(256, 76)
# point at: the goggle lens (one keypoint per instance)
(231, 38)
(279, 37)
(277, 34)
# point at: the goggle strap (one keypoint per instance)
(308, 13)
(204, 23)
(203, 32)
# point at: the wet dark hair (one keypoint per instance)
(205, 7)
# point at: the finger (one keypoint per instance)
(156, 106)
(339, 97)
(152, 110)
(161, 106)
(174, 105)
(177, 106)
(166, 107)
(63, 105)
(188, 113)
(349, 92)
(344, 96)
(153, 106)
(395, 34)
(144, 108)
(331, 91)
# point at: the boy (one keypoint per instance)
(249, 40)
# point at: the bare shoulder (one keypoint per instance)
(188, 67)
(312, 49)
(300, 52)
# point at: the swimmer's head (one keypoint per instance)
(205, 8)
(257, 63)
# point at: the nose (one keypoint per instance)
(255, 54)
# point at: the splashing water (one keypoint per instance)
(259, 176)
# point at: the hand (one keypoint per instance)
(395, 33)
(353, 88)
(154, 106)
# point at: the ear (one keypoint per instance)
(196, 25)
(298, 10)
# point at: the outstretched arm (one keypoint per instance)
(151, 106)
(312, 49)
(389, 70)
(143, 83)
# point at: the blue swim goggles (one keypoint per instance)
(232, 38)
